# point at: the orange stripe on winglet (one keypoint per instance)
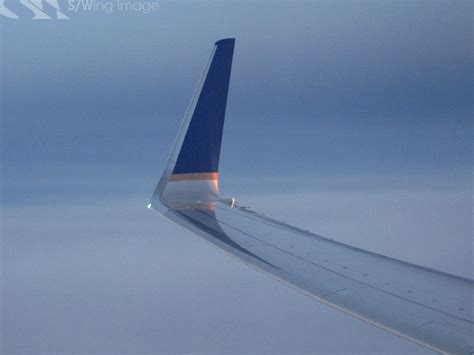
(194, 176)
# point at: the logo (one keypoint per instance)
(50, 9)
(111, 6)
(38, 9)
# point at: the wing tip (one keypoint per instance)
(229, 40)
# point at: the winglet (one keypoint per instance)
(191, 172)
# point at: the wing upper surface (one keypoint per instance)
(424, 305)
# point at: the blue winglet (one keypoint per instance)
(202, 144)
(191, 172)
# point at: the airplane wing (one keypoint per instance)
(426, 306)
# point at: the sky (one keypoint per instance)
(351, 119)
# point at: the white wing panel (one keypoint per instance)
(426, 306)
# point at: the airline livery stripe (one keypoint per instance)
(194, 176)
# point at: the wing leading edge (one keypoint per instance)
(426, 306)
